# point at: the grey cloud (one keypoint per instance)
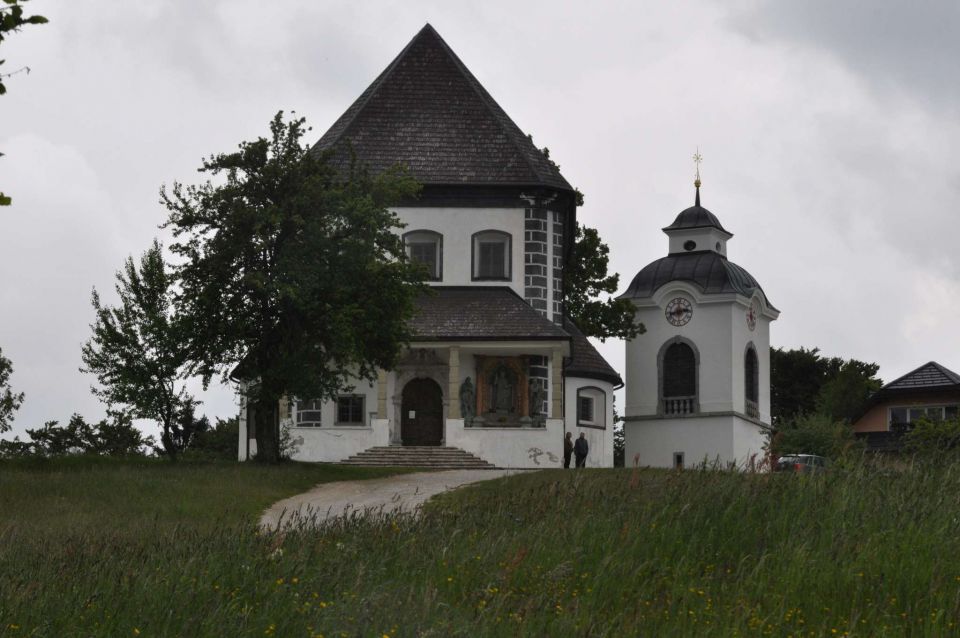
(901, 48)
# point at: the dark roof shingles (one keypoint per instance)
(586, 362)
(428, 112)
(929, 375)
(479, 313)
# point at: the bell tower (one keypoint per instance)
(698, 380)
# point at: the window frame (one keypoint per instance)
(361, 411)
(751, 404)
(410, 237)
(661, 373)
(317, 407)
(598, 397)
(936, 406)
(507, 240)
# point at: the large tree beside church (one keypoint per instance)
(587, 287)
(292, 272)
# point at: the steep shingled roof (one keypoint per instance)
(586, 362)
(480, 313)
(929, 375)
(427, 111)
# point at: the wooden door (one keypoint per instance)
(421, 421)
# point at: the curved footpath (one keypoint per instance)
(404, 492)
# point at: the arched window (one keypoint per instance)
(491, 255)
(751, 381)
(425, 247)
(678, 380)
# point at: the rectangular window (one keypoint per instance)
(492, 259)
(585, 409)
(907, 415)
(350, 409)
(425, 253)
(678, 460)
(308, 414)
(491, 255)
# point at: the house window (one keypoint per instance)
(751, 372)
(350, 409)
(308, 414)
(425, 247)
(678, 385)
(906, 415)
(591, 407)
(491, 255)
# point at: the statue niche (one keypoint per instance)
(502, 394)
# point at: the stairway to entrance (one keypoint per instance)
(432, 456)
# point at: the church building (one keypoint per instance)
(698, 380)
(495, 374)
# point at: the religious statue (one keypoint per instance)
(502, 387)
(538, 395)
(468, 400)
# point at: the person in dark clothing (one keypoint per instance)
(567, 448)
(580, 449)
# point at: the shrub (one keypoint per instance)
(814, 434)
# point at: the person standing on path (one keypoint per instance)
(567, 449)
(580, 449)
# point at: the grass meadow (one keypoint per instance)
(143, 548)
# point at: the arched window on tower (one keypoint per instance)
(751, 382)
(678, 381)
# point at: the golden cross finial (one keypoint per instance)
(697, 158)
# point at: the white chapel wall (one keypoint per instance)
(599, 439)
(458, 225)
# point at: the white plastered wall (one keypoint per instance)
(458, 225)
(599, 438)
(533, 448)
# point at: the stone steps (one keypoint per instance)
(439, 457)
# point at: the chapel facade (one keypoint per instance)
(494, 368)
(698, 380)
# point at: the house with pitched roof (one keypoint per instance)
(495, 374)
(930, 392)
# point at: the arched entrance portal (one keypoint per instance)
(421, 420)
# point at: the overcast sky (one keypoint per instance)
(829, 132)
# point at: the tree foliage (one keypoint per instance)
(12, 19)
(814, 433)
(112, 436)
(586, 280)
(933, 438)
(136, 353)
(804, 382)
(291, 271)
(10, 401)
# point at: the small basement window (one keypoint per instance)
(350, 409)
(308, 413)
(491, 255)
(678, 460)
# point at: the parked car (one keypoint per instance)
(801, 463)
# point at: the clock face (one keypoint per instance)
(679, 311)
(752, 313)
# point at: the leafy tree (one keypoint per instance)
(113, 436)
(136, 354)
(585, 280)
(803, 382)
(11, 20)
(9, 400)
(814, 434)
(291, 271)
(929, 437)
(217, 442)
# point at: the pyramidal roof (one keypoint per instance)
(929, 375)
(427, 111)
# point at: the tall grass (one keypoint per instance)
(859, 550)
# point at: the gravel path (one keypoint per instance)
(405, 492)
